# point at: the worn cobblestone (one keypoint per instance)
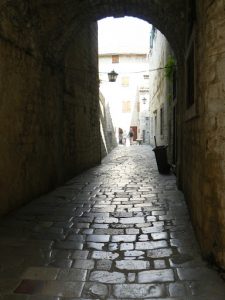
(139, 291)
(107, 277)
(156, 276)
(126, 238)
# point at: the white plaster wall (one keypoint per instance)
(133, 66)
(160, 90)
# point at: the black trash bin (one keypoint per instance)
(161, 159)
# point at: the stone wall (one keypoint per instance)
(204, 142)
(80, 106)
(49, 114)
(108, 137)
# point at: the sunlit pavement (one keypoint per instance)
(118, 231)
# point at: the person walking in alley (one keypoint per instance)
(131, 135)
(120, 136)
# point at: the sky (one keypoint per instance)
(126, 34)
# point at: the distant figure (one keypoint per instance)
(131, 135)
(120, 136)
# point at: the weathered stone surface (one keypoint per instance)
(104, 265)
(131, 277)
(195, 273)
(62, 263)
(134, 253)
(98, 238)
(135, 291)
(143, 237)
(208, 219)
(45, 138)
(159, 236)
(80, 254)
(177, 290)
(86, 264)
(106, 220)
(69, 245)
(150, 245)
(113, 246)
(40, 273)
(110, 231)
(51, 288)
(96, 289)
(100, 226)
(132, 264)
(151, 218)
(77, 238)
(97, 246)
(156, 276)
(126, 246)
(159, 264)
(151, 229)
(88, 231)
(132, 231)
(107, 277)
(72, 275)
(127, 274)
(104, 255)
(158, 253)
(133, 220)
(123, 238)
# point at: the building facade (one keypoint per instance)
(162, 96)
(124, 96)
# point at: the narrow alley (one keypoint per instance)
(118, 231)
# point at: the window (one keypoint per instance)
(115, 59)
(161, 120)
(125, 81)
(146, 76)
(126, 106)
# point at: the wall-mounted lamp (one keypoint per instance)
(112, 76)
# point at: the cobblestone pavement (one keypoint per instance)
(117, 231)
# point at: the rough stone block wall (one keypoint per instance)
(204, 142)
(49, 116)
(29, 127)
(81, 110)
(108, 138)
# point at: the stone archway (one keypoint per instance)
(51, 25)
(169, 19)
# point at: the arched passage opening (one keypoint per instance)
(143, 97)
(55, 45)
